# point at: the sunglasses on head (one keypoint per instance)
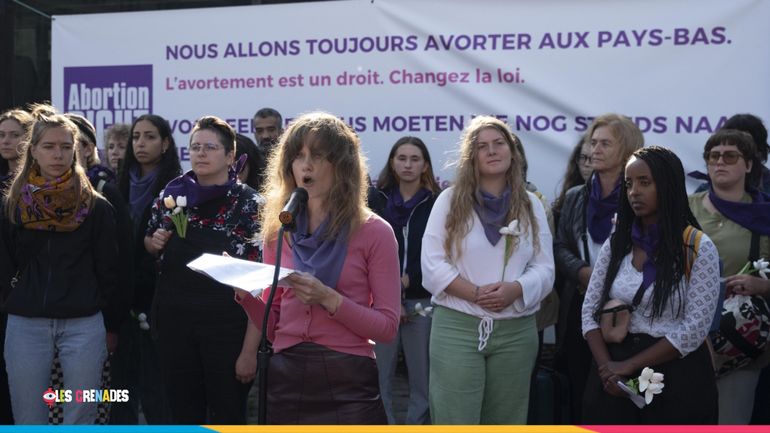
(730, 157)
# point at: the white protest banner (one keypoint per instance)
(391, 68)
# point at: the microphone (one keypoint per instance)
(294, 205)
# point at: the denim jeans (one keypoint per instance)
(30, 343)
(413, 336)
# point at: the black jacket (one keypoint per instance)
(409, 237)
(62, 274)
(567, 247)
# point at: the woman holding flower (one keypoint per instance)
(207, 360)
(404, 197)
(644, 266)
(736, 217)
(486, 284)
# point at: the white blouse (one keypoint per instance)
(482, 263)
(700, 296)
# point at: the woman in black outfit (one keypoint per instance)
(151, 162)
(207, 359)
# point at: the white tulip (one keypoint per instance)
(181, 201)
(511, 229)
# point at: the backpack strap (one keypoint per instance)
(691, 237)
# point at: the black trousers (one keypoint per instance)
(689, 395)
(198, 350)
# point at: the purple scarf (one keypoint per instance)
(600, 210)
(322, 257)
(754, 216)
(649, 243)
(397, 211)
(100, 172)
(187, 185)
(140, 192)
(492, 212)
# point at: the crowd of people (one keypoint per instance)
(651, 286)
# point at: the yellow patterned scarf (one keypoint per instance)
(50, 204)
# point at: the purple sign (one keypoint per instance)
(108, 94)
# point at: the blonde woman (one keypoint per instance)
(484, 340)
(58, 244)
(346, 291)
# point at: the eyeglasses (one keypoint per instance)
(583, 158)
(208, 147)
(730, 157)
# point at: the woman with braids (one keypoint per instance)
(58, 259)
(737, 217)
(346, 290)
(643, 264)
(486, 285)
(585, 221)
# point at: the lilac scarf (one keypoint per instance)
(322, 257)
(140, 192)
(649, 243)
(492, 212)
(754, 216)
(187, 185)
(397, 211)
(600, 210)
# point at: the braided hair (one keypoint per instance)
(674, 215)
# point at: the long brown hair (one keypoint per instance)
(339, 143)
(47, 118)
(466, 188)
(388, 177)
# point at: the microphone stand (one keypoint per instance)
(265, 350)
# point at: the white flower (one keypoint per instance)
(142, 317)
(424, 312)
(650, 383)
(652, 389)
(144, 326)
(181, 201)
(762, 267)
(240, 249)
(511, 229)
(169, 202)
(177, 210)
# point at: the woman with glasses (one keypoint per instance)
(207, 360)
(735, 216)
(584, 224)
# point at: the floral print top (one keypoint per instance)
(237, 215)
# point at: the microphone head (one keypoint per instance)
(297, 200)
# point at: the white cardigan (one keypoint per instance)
(481, 263)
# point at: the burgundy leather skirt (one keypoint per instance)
(311, 384)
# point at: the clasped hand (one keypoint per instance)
(498, 296)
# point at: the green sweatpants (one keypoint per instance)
(468, 386)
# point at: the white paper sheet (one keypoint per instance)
(243, 274)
